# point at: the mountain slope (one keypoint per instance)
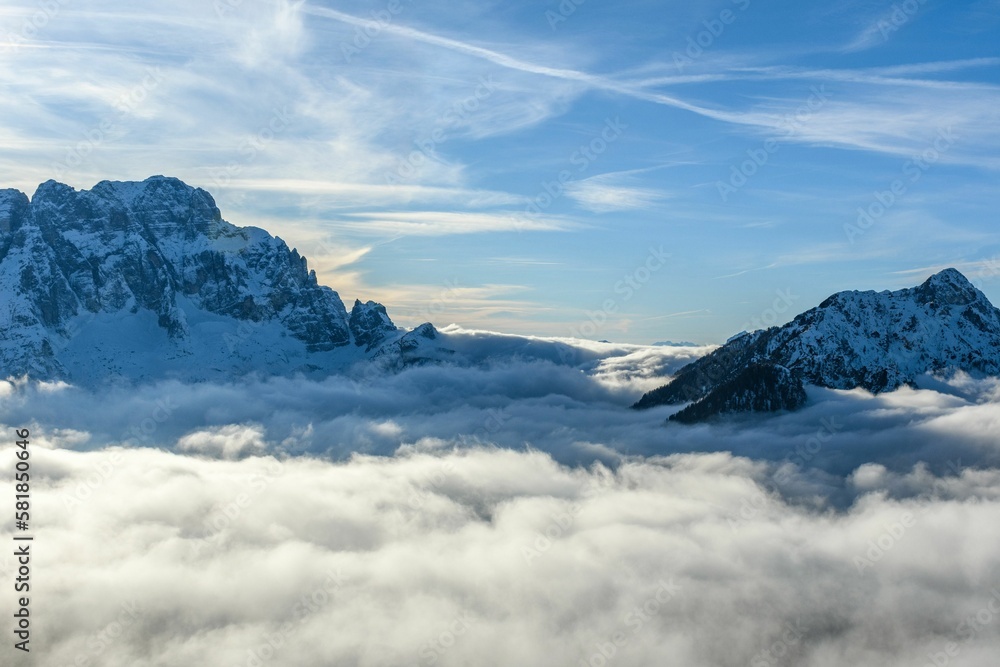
(875, 340)
(146, 279)
(759, 387)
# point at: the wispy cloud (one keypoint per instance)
(682, 314)
(613, 192)
(880, 132)
(872, 35)
(498, 58)
(347, 194)
(442, 223)
(503, 307)
(880, 29)
(399, 135)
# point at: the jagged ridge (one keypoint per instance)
(156, 259)
(875, 340)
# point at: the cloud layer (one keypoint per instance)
(496, 557)
(566, 397)
(508, 512)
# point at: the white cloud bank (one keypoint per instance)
(496, 557)
(513, 513)
(563, 398)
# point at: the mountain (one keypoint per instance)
(758, 387)
(878, 341)
(146, 280)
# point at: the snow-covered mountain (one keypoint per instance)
(145, 280)
(875, 340)
(142, 281)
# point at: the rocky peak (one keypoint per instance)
(52, 191)
(370, 324)
(418, 346)
(425, 330)
(949, 287)
(158, 206)
(74, 261)
(877, 341)
(14, 206)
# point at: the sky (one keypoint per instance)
(636, 172)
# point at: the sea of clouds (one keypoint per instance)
(513, 512)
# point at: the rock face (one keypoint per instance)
(146, 279)
(759, 387)
(420, 346)
(370, 324)
(875, 340)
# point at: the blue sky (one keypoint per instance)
(639, 171)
